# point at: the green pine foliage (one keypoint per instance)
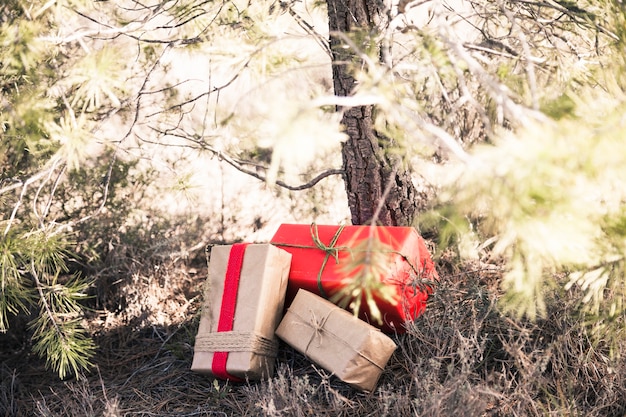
(548, 197)
(547, 202)
(541, 89)
(369, 261)
(34, 275)
(41, 139)
(14, 296)
(57, 331)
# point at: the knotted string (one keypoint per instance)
(319, 330)
(330, 250)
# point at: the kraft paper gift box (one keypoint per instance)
(321, 255)
(335, 339)
(244, 302)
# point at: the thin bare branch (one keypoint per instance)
(310, 30)
(240, 165)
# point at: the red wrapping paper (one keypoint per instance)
(330, 249)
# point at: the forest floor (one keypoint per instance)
(462, 357)
(142, 365)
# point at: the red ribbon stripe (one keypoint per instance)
(227, 309)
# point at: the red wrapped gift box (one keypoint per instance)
(324, 258)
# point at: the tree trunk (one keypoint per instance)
(369, 168)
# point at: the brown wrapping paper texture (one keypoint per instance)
(260, 300)
(350, 348)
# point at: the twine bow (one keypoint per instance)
(316, 324)
(330, 250)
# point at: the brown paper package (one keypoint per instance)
(260, 301)
(341, 343)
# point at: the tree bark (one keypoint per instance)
(369, 168)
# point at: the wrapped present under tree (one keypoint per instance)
(384, 274)
(351, 349)
(243, 304)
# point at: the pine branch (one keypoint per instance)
(44, 302)
(319, 39)
(59, 337)
(240, 165)
(575, 13)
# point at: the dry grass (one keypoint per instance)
(462, 357)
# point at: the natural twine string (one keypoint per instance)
(319, 330)
(332, 250)
(236, 342)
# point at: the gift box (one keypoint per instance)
(351, 349)
(326, 260)
(243, 303)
